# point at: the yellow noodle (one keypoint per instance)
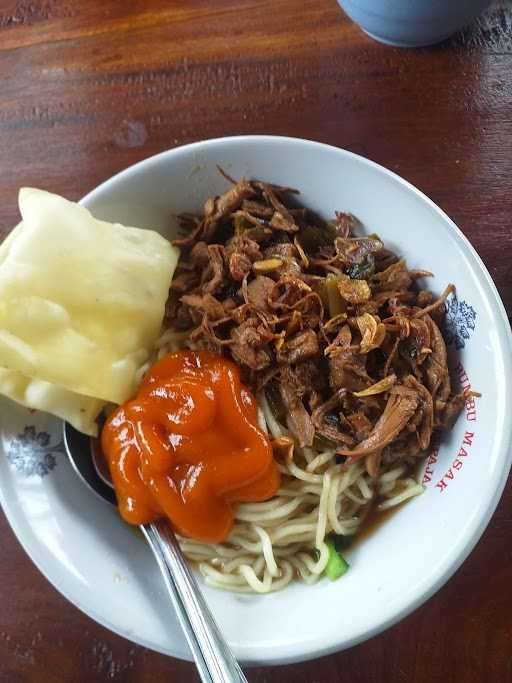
(267, 550)
(319, 460)
(412, 490)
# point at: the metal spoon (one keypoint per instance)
(214, 660)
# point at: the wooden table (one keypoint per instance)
(87, 88)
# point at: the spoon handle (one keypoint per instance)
(214, 660)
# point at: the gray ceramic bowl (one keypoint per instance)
(412, 23)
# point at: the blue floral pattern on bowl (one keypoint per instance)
(459, 322)
(31, 452)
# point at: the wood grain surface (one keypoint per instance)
(88, 87)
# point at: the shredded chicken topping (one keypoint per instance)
(330, 324)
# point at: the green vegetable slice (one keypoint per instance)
(336, 564)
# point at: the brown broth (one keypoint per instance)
(372, 522)
(376, 518)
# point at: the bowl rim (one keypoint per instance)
(293, 653)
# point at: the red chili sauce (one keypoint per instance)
(188, 446)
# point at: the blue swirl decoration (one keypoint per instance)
(459, 322)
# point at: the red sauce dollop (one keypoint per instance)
(188, 446)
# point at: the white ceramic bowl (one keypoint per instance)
(104, 568)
